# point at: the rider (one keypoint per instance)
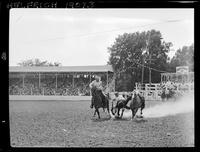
(117, 98)
(97, 84)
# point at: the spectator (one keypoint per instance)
(48, 86)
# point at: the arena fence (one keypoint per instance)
(154, 91)
(48, 98)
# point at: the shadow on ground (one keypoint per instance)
(100, 120)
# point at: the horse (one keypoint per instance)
(136, 103)
(121, 104)
(105, 106)
(168, 94)
(98, 102)
(163, 95)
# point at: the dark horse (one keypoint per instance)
(98, 101)
(121, 104)
(166, 95)
(136, 103)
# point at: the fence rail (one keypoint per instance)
(154, 91)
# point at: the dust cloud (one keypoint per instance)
(184, 104)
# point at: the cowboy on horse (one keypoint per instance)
(96, 85)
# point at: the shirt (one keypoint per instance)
(96, 84)
(115, 100)
(120, 97)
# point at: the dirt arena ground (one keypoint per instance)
(70, 124)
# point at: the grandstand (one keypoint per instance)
(58, 81)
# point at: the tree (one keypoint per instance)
(38, 62)
(127, 54)
(183, 57)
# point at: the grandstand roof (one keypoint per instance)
(95, 68)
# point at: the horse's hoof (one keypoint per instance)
(117, 117)
(139, 116)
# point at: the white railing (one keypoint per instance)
(153, 91)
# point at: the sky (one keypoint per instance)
(77, 37)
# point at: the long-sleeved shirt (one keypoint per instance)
(116, 99)
(120, 97)
(96, 84)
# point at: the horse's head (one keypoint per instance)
(135, 93)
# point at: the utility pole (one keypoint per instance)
(142, 70)
(150, 69)
(146, 50)
(149, 59)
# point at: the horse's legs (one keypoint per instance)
(97, 110)
(141, 110)
(165, 98)
(134, 111)
(92, 101)
(118, 109)
(108, 110)
(122, 112)
(142, 107)
(94, 113)
(112, 111)
(107, 107)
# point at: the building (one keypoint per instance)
(63, 80)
